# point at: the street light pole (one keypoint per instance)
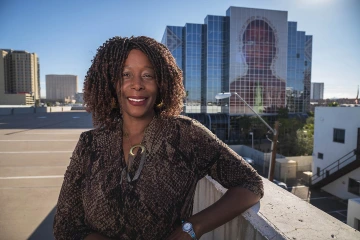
(252, 139)
(274, 131)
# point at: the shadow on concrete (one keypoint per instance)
(45, 230)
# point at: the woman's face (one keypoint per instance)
(259, 47)
(139, 88)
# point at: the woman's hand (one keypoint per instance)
(96, 236)
(179, 234)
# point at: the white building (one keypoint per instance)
(61, 87)
(353, 213)
(317, 91)
(336, 156)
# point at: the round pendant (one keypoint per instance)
(137, 146)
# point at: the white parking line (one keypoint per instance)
(319, 198)
(338, 212)
(36, 152)
(64, 166)
(64, 140)
(59, 133)
(32, 177)
(29, 187)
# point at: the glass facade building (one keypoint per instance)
(299, 70)
(256, 53)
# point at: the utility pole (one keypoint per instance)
(274, 131)
(273, 152)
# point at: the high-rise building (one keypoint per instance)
(298, 70)
(256, 53)
(317, 91)
(19, 77)
(61, 87)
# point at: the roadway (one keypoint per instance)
(35, 150)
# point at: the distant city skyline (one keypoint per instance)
(66, 34)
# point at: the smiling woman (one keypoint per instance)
(134, 176)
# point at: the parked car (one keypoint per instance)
(280, 184)
(249, 161)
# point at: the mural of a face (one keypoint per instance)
(259, 45)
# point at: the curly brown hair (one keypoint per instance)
(104, 78)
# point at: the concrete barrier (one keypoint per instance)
(78, 108)
(23, 110)
(66, 108)
(6, 111)
(280, 215)
(41, 109)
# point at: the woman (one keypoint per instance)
(134, 175)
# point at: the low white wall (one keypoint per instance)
(282, 215)
(258, 156)
(285, 169)
(353, 213)
(304, 163)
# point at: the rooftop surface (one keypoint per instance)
(34, 152)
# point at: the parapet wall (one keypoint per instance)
(279, 215)
(23, 110)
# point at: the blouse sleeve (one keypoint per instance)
(69, 222)
(215, 158)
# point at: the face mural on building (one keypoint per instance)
(258, 86)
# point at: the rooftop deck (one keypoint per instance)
(34, 153)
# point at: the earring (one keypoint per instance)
(113, 103)
(159, 105)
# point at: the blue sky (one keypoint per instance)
(65, 34)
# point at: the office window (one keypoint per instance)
(354, 186)
(339, 135)
(320, 156)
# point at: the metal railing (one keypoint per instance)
(333, 166)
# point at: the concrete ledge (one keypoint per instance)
(6, 111)
(23, 110)
(78, 108)
(281, 215)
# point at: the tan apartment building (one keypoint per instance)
(61, 87)
(19, 77)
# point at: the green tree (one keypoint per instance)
(333, 104)
(288, 141)
(283, 113)
(258, 128)
(245, 126)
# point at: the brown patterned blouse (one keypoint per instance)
(179, 152)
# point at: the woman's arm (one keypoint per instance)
(215, 158)
(96, 236)
(234, 202)
(69, 221)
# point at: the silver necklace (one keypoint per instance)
(132, 156)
